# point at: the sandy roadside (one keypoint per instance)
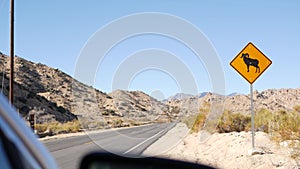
(228, 150)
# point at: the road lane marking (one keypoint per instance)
(144, 141)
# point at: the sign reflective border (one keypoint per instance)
(250, 63)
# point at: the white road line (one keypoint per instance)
(144, 141)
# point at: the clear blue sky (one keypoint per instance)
(54, 33)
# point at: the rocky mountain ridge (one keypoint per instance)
(271, 99)
(55, 96)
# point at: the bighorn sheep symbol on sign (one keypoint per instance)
(250, 62)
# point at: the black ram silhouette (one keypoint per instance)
(250, 62)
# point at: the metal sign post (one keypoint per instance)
(252, 114)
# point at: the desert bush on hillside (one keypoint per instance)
(56, 127)
(40, 128)
(175, 109)
(92, 124)
(295, 153)
(263, 120)
(286, 125)
(117, 123)
(199, 122)
(286, 128)
(189, 120)
(230, 122)
(283, 125)
(132, 122)
(297, 108)
(195, 122)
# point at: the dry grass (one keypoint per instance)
(196, 122)
(295, 153)
(199, 122)
(231, 122)
(282, 125)
(189, 120)
(286, 125)
(56, 127)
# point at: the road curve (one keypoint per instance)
(127, 142)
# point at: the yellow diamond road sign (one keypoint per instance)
(250, 63)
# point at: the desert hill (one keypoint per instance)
(271, 99)
(56, 96)
(29, 89)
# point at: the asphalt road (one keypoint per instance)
(127, 142)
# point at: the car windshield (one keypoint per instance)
(212, 83)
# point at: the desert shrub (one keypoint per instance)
(199, 122)
(189, 120)
(230, 122)
(41, 127)
(262, 120)
(195, 122)
(295, 150)
(117, 123)
(92, 124)
(297, 108)
(282, 125)
(132, 122)
(73, 126)
(105, 113)
(101, 124)
(288, 129)
(205, 107)
(175, 110)
(286, 125)
(84, 122)
(56, 127)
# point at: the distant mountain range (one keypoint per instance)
(186, 96)
(271, 99)
(55, 96)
